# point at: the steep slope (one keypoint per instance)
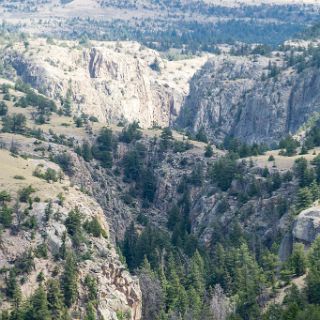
(117, 291)
(112, 81)
(236, 96)
(179, 217)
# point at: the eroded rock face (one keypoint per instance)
(307, 225)
(232, 96)
(118, 291)
(113, 82)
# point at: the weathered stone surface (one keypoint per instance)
(113, 82)
(231, 96)
(307, 225)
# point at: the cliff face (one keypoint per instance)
(227, 95)
(230, 97)
(112, 81)
(117, 290)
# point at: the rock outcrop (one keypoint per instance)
(111, 81)
(117, 290)
(234, 96)
(307, 226)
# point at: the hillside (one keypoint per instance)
(159, 160)
(190, 26)
(103, 79)
(255, 98)
(149, 187)
(251, 92)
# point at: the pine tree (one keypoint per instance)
(298, 259)
(90, 312)
(92, 288)
(315, 191)
(248, 277)
(313, 277)
(304, 198)
(39, 306)
(129, 246)
(196, 274)
(86, 151)
(4, 197)
(70, 280)
(11, 283)
(208, 151)
(63, 249)
(55, 299)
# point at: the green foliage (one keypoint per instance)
(25, 193)
(85, 151)
(166, 139)
(131, 133)
(208, 151)
(49, 175)
(304, 198)
(55, 299)
(38, 308)
(304, 174)
(42, 251)
(92, 288)
(3, 109)
(236, 146)
(105, 145)
(289, 145)
(6, 216)
(223, 171)
(90, 312)
(64, 160)
(11, 283)
(73, 224)
(93, 227)
(201, 135)
(16, 123)
(298, 259)
(69, 281)
(25, 263)
(5, 196)
(155, 65)
(313, 277)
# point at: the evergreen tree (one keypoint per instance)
(4, 197)
(38, 309)
(70, 280)
(201, 135)
(298, 259)
(90, 312)
(248, 283)
(196, 274)
(304, 198)
(86, 151)
(55, 299)
(129, 246)
(313, 277)
(222, 172)
(73, 224)
(208, 151)
(12, 283)
(92, 288)
(315, 190)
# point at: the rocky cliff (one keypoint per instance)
(253, 97)
(236, 96)
(111, 81)
(36, 235)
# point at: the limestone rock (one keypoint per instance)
(307, 225)
(111, 81)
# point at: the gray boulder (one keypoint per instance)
(307, 225)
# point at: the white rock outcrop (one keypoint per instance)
(307, 225)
